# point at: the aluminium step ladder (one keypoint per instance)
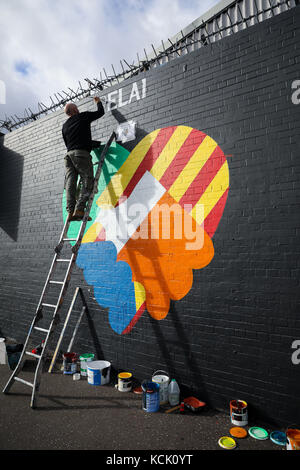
(84, 310)
(35, 385)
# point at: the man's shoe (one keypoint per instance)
(78, 215)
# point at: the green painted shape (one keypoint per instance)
(114, 159)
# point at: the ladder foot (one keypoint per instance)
(8, 386)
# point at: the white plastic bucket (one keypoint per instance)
(98, 372)
(162, 379)
(84, 359)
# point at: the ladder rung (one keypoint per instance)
(49, 305)
(41, 329)
(69, 239)
(56, 282)
(63, 260)
(32, 354)
(23, 381)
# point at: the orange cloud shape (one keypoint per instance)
(165, 266)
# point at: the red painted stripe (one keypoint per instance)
(212, 220)
(150, 158)
(101, 237)
(182, 157)
(134, 320)
(204, 177)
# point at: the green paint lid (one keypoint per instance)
(84, 357)
(258, 433)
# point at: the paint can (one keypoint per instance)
(293, 438)
(84, 359)
(162, 378)
(98, 372)
(124, 381)
(70, 363)
(150, 399)
(239, 412)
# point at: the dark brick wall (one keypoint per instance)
(232, 334)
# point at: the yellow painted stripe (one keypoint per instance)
(92, 233)
(120, 180)
(192, 168)
(176, 141)
(140, 295)
(213, 193)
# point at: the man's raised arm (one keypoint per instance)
(93, 115)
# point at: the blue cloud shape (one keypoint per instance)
(112, 281)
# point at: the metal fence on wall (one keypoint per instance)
(228, 17)
(231, 19)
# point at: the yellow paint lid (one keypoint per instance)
(125, 375)
(227, 442)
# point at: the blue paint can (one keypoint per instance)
(151, 399)
(70, 363)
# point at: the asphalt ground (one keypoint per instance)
(76, 416)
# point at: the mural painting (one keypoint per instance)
(153, 220)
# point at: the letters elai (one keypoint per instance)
(117, 99)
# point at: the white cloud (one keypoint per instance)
(63, 41)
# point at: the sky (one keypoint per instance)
(49, 45)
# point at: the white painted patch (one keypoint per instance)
(121, 222)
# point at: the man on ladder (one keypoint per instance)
(76, 133)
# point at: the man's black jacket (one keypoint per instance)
(76, 130)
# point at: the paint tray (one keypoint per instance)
(193, 404)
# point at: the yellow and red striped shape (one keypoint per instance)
(187, 162)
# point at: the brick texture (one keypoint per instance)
(231, 335)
